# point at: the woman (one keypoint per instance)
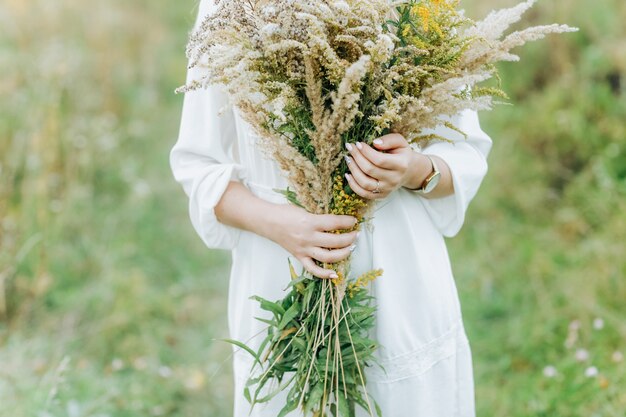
(233, 205)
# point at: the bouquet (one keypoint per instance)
(309, 77)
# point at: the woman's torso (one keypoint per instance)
(418, 319)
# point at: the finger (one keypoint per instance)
(365, 181)
(365, 164)
(335, 240)
(331, 222)
(332, 256)
(390, 141)
(317, 271)
(377, 158)
(362, 192)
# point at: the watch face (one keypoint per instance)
(432, 183)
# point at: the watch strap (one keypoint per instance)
(434, 171)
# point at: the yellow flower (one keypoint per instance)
(363, 280)
(406, 30)
(344, 203)
(423, 13)
(437, 5)
(339, 279)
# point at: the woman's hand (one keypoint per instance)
(398, 166)
(308, 237)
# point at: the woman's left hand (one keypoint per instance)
(372, 170)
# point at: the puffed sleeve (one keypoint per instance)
(467, 159)
(202, 158)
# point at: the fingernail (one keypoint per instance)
(334, 276)
(378, 141)
(348, 146)
(348, 160)
(359, 145)
(357, 235)
(352, 248)
(347, 176)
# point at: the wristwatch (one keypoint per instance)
(431, 180)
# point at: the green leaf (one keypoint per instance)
(272, 323)
(289, 315)
(378, 410)
(315, 396)
(344, 409)
(299, 344)
(292, 270)
(289, 407)
(244, 347)
(267, 305)
(278, 389)
(291, 196)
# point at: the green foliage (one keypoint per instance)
(109, 302)
(428, 33)
(542, 250)
(308, 328)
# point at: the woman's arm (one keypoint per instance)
(306, 236)
(421, 168)
(221, 206)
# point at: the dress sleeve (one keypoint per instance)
(467, 159)
(202, 158)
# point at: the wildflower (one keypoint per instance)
(406, 30)
(582, 355)
(344, 203)
(363, 280)
(572, 337)
(603, 382)
(598, 324)
(140, 363)
(340, 277)
(424, 14)
(617, 356)
(549, 371)
(437, 5)
(270, 29)
(341, 5)
(117, 364)
(571, 340)
(591, 372)
(195, 380)
(165, 371)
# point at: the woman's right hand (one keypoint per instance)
(309, 237)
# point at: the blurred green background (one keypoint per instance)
(109, 302)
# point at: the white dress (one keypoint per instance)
(424, 351)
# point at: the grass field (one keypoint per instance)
(109, 303)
